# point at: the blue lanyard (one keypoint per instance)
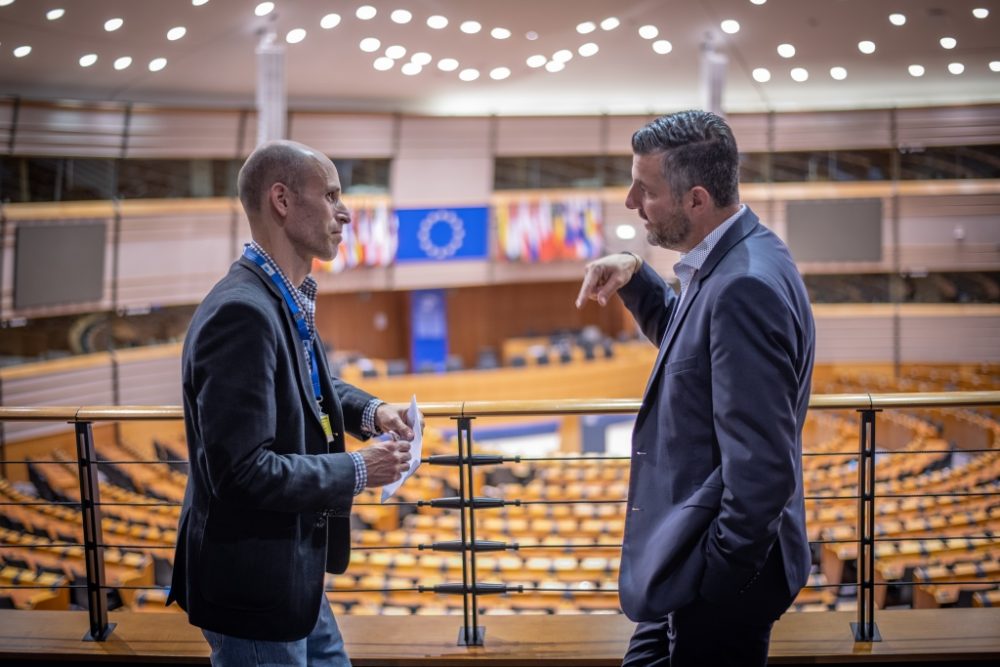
(297, 315)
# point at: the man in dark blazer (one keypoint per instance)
(267, 507)
(715, 546)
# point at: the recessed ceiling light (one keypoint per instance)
(730, 26)
(562, 56)
(295, 35)
(588, 49)
(437, 22)
(536, 60)
(500, 33)
(4, 3)
(88, 59)
(383, 63)
(980, 12)
(648, 31)
(916, 70)
(995, 65)
(113, 24)
(156, 64)
(421, 58)
(22, 51)
(663, 46)
(411, 68)
(263, 9)
(586, 27)
(395, 51)
(610, 23)
(838, 73)
(447, 64)
(369, 44)
(199, 3)
(625, 232)
(468, 74)
(470, 27)
(799, 74)
(758, 2)
(401, 16)
(531, 35)
(366, 12)
(948, 42)
(55, 14)
(176, 33)
(329, 21)
(761, 75)
(122, 63)
(499, 73)
(555, 66)
(897, 19)
(786, 50)
(956, 68)
(866, 47)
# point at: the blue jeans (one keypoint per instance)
(323, 647)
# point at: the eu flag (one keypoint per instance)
(440, 234)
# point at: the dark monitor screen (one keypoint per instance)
(837, 230)
(59, 263)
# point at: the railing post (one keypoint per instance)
(865, 629)
(93, 538)
(471, 633)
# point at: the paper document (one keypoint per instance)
(413, 415)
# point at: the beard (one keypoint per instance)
(671, 232)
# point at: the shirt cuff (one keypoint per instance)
(368, 426)
(360, 472)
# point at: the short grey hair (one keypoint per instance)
(274, 162)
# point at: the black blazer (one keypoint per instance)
(253, 542)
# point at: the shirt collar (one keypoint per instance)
(695, 257)
(304, 294)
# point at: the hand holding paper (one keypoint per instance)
(415, 421)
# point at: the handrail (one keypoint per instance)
(863, 401)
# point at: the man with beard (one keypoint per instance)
(715, 547)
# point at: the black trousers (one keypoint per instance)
(734, 633)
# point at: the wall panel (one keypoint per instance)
(346, 135)
(163, 133)
(69, 131)
(831, 130)
(949, 126)
(548, 135)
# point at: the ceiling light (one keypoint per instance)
(500, 33)
(88, 60)
(537, 60)
(531, 35)
(499, 73)
(113, 24)
(383, 63)
(176, 33)
(649, 31)
(263, 9)
(758, 2)
(199, 3)
(897, 19)
(436, 22)
(366, 12)
(663, 47)
(948, 42)
(421, 58)
(4, 3)
(555, 66)
(586, 27)
(22, 51)
(786, 50)
(562, 56)
(401, 16)
(329, 21)
(395, 51)
(799, 74)
(625, 232)
(447, 64)
(956, 68)
(980, 12)
(761, 75)
(55, 14)
(916, 70)
(123, 62)
(156, 64)
(730, 26)
(411, 69)
(610, 23)
(468, 74)
(995, 65)
(866, 47)
(369, 44)
(838, 73)
(588, 49)
(470, 27)
(295, 35)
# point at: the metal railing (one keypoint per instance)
(466, 460)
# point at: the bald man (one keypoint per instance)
(268, 501)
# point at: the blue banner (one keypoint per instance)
(441, 234)
(428, 330)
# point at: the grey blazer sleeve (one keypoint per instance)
(650, 300)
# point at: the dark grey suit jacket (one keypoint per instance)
(253, 542)
(716, 478)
